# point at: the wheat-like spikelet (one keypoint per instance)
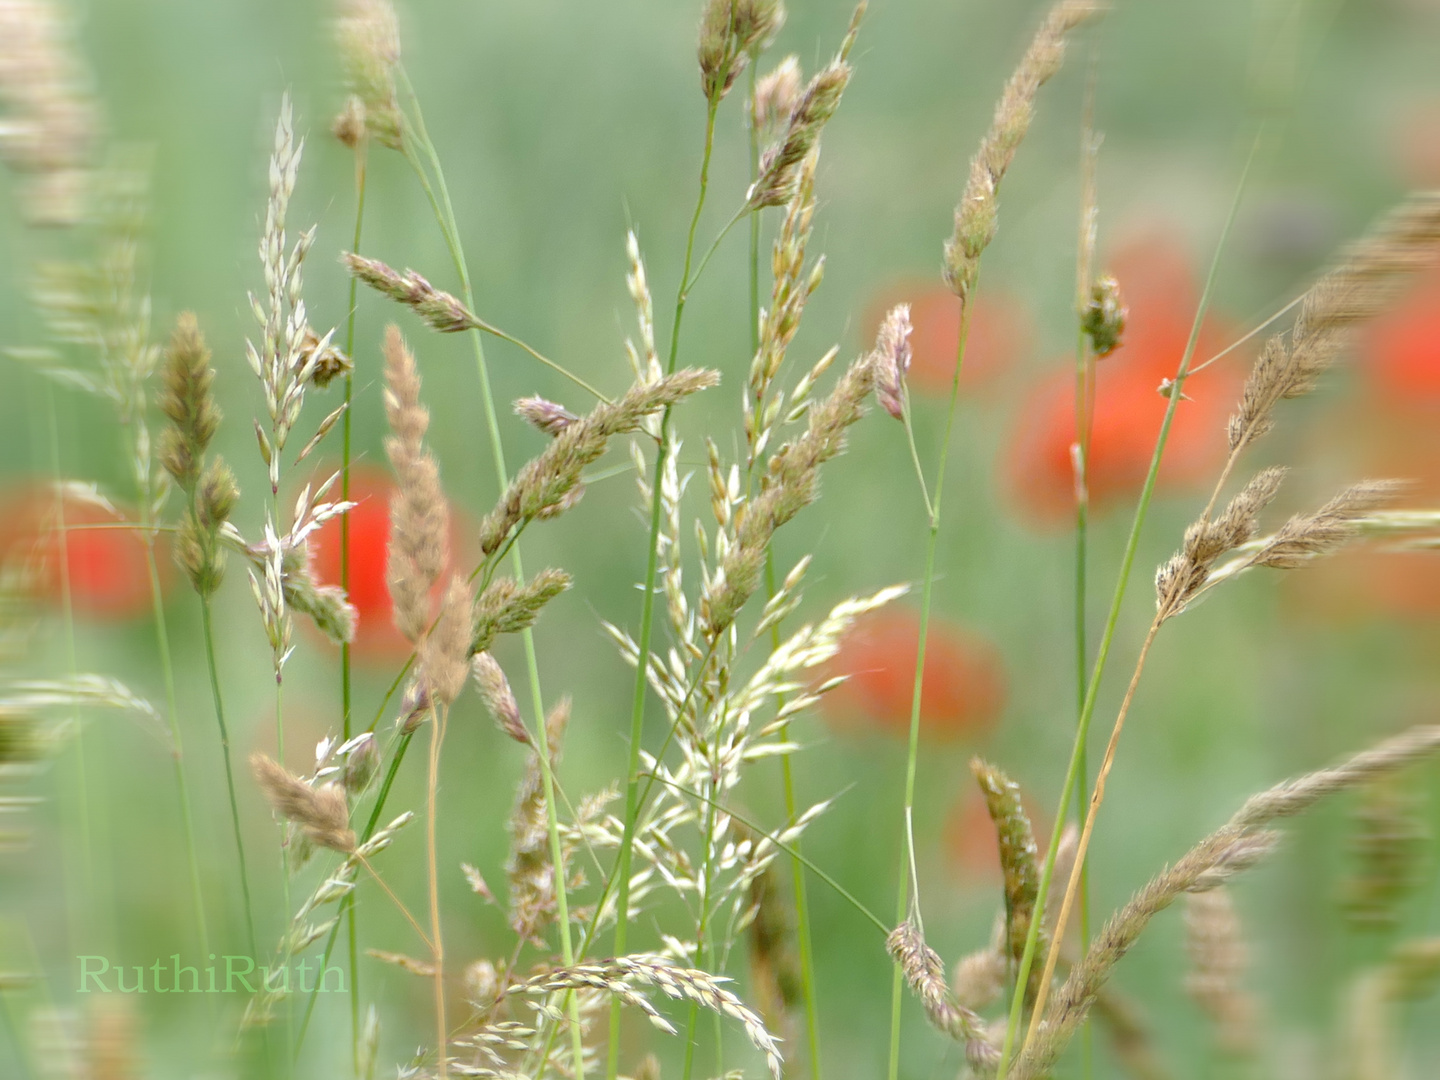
(550, 483)
(891, 357)
(976, 214)
(789, 485)
(780, 165)
(438, 309)
(1289, 364)
(1218, 958)
(369, 43)
(419, 514)
(322, 814)
(1018, 856)
(506, 607)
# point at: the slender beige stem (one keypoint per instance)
(399, 904)
(1096, 798)
(437, 947)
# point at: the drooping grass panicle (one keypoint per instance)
(892, 360)
(367, 34)
(926, 976)
(550, 483)
(439, 310)
(544, 416)
(51, 122)
(1177, 581)
(1290, 363)
(732, 32)
(1019, 861)
(1307, 536)
(790, 484)
(322, 813)
(1235, 846)
(419, 514)
(977, 212)
(1218, 959)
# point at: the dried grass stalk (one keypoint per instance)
(1242, 841)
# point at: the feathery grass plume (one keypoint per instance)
(549, 483)
(1177, 581)
(1307, 536)
(188, 402)
(790, 484)
(362, 761)
(1103, 320)
(780, 165)
(779, 322)
(506, 607)
(892, 360)
(50, 127)
(544, 416)
(499, 699)
(444, 662)
(326, 605)
(976, 213)
(321, 814)
(1218, 958)
(368, 37)
(1018, 856)
(1290, 363)
(419, 514)
(732, 32)
(439, 310)
(529, 869)
(1388, 847)
(776, 93)
(1234, 847)
(926, 976)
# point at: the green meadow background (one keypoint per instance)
(561, 124)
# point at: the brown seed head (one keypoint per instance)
(439, 310)
(499, 699)
(445, 652)
(891, 358)
(1103, 319)
(545, 416)
(368, 36)
(776, 94)
(321, 814)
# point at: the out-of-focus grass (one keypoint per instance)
(563, 123)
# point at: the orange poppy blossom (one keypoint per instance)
(369, 592)
(963, 688)
(105, 564)
(998, 339)
(1157, 285)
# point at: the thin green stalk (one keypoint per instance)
(345, 701)
(1107, 638)
(647, 604)
(449, 229)
(207, 623)
(904, 900)
(177, 754)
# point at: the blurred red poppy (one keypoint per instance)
(104, 559)
(370, 488)
(1157, 285)
(963, 691)
(1400, 351)
(998, 340)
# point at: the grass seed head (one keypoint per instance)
(321, 814)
